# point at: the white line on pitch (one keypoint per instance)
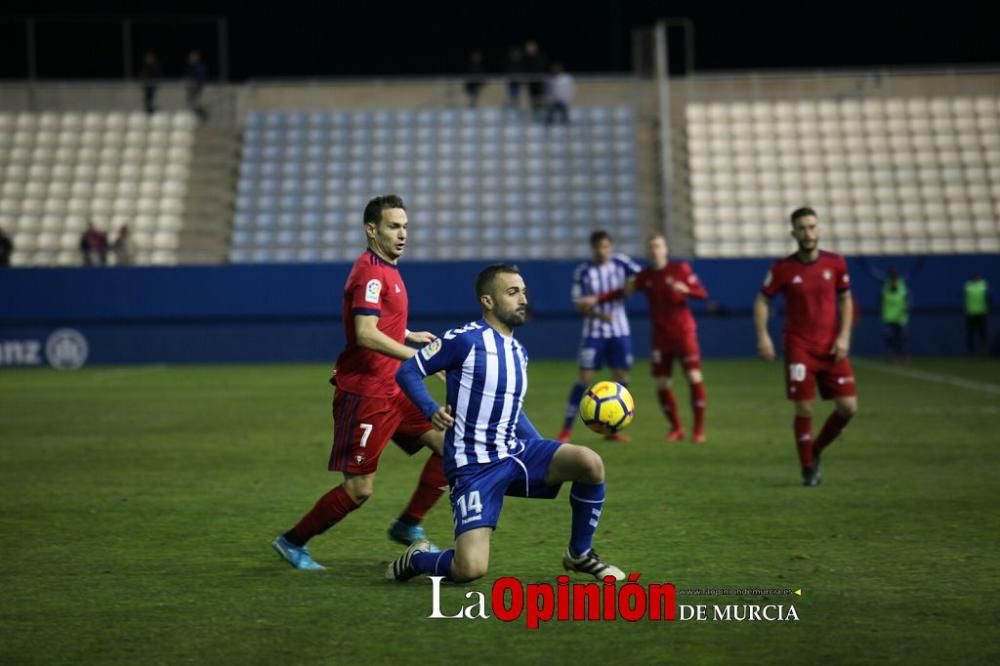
(930, 376)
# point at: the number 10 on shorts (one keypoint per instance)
(797, 372)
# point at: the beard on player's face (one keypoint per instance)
(509, 312)
(514, 317)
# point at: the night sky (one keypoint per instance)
(386, 39)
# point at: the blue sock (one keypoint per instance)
(434, 564)
(573, 408)
(586, 500)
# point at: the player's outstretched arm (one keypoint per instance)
(411, 380)
(368, 336)
(761, 312)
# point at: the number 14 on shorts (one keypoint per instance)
(469, 507)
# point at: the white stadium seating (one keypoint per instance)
(891, 175)
(59, 170)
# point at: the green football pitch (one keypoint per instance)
(139, 503)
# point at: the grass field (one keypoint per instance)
(139, 504)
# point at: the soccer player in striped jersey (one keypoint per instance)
(491, 449)
(598, 287)
(367, 408)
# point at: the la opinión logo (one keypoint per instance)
(511, 600)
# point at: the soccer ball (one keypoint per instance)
(607, 407)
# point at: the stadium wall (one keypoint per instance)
(287, 313)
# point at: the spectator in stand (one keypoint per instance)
(149, 73)
(475, 77)
(197, 74)
(535, 69)
(6, 249)
(561, 88)
(977, 311)
(122, 247)
(515, 76)
(94, 246)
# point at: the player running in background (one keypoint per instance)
(668, 285)
(368, 409)
(814, 283)
(598, 291)
(491, 448)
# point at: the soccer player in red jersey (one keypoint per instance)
(368, 407)
(814, 284)
(668, 285)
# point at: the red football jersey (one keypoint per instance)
(374, 287)
(810, 290)
(667, 306)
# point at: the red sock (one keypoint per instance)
(804, 439)
(328, 511)
(432, 485)
(698, 401)
(669, 406)
(834, 424)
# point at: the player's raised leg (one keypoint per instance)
(585, 470)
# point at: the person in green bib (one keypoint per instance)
(977, 309)
(895, 308)
(895, 315)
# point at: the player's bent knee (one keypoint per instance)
(803, 409)
(360, 487)
(694, 377)
(848, 408)
(591, 469)
(464, 570)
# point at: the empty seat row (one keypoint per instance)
(96, 120)
(874, 107)
(406, 117)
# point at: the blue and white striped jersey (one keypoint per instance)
(487, 379)
(591, 279)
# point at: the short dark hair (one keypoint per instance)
(374, 208)
(484, 281)
(599, 235)
(799, 213)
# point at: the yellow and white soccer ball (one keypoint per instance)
(607, 407)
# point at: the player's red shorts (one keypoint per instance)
(683, 348)
(362, 426)
(805, 368)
